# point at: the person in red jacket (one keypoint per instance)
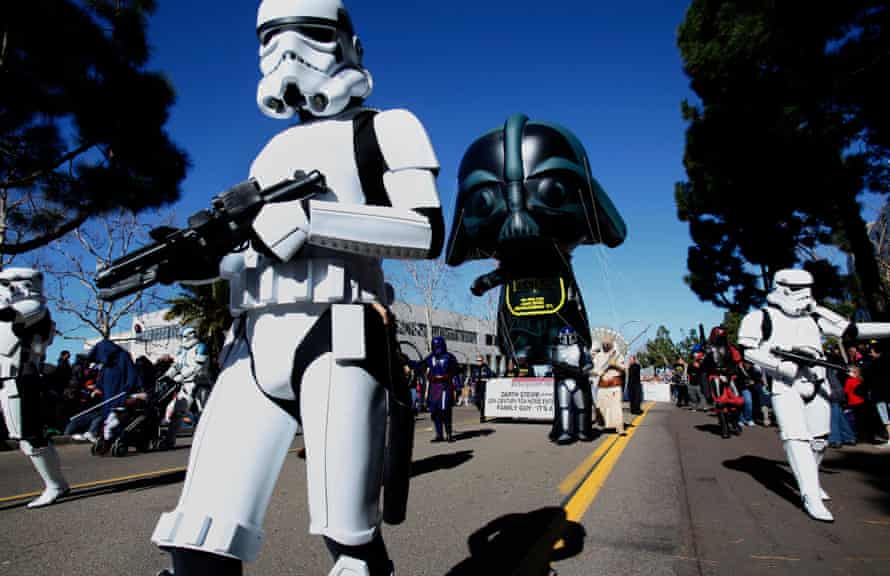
(857, 407)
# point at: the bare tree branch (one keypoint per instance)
(68, 262)
(68, 156)
(54, 234)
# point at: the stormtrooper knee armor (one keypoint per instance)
(792, 321)
(309, 343)
(26, 331)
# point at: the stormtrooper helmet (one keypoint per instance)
(20, 284)
(188, 337)
(792, 292)
(310, 58)
(567, 336)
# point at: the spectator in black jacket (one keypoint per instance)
(877, 384)
(634, 386)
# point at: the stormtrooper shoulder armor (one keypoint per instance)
(404, 141)
(410, 160)
(751, 329)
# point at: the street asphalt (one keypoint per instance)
(670, 497)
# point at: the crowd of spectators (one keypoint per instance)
(73, 390)
(859, 395)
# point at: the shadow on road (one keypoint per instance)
(772, 474)
(521, 544)
(874, 467)
(136, 484)
(474, 433)
(712, 428)
(440, 462)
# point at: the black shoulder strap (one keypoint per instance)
(766, 325)
(369, 159)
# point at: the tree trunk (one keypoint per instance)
(864, 259)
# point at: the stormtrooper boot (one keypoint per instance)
(46, 461)
(187, 562)
(369, 559)
(764, 411)
(818, 446)
(803, 463)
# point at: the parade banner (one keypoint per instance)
(519, 398)
(656, 391)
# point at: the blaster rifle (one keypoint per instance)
(804, 358)
(212, 233)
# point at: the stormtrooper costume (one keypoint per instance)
(310, 340)
(187, 367)
(573, 403)
(792, 319)
(26, 330)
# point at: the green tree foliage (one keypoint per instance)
(660, 351)
(206, 308)
(81, 120)
(684, 347)
(791, 127)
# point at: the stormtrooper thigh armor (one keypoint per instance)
(574, 411)
(247, 429)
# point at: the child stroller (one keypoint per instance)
(140, 420)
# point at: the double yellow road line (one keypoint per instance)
(594, 470)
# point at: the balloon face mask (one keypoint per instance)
(525, 189)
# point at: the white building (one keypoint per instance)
(149, 335)
(467, 336)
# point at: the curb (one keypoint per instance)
(57, 440)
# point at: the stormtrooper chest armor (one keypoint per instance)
(315, 274)
(792, 331)
(570, 355)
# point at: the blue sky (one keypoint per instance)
(609, 71)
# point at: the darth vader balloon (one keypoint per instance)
(526, 198)
(524, 189)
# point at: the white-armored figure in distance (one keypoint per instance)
(571, 368)
(188, 365)
(26, 330)
(311, 340)
(793, 322)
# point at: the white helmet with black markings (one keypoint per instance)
(310, 57)
(792, 292)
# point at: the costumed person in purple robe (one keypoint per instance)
(442, 373)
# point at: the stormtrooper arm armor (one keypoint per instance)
(834, 324)
(410, 227)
